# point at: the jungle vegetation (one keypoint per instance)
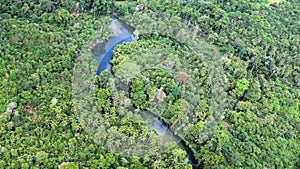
(258, 42)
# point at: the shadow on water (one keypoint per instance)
(163, 131)
(103, 53)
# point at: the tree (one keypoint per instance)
(62, 16)
(210, 158)
(241, 86)
(174, 91)
(2, 164)
(41, 156)
(68, 165)
(253, 94)
(102, 97)
(160, 95)
(182, 78)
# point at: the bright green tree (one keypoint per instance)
(241, 86)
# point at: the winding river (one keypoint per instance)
(103, 54)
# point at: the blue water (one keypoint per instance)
(103, 52)
(105, 62)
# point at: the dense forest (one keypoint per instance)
(253, 47)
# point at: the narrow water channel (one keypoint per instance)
(163, 131)
(103, 54)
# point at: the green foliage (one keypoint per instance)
(253, 94)
(174, 91)
(104, 80)
(241, 86)
(41, 156)
(101, 7)
(196, 129)
(62, 16)
(181, 106)
(125, 7)
(68, 165)
(40, 41)
(2, 164)
(210, 158)
(102, 96)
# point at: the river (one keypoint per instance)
(103, 53)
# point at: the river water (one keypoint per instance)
(103, 53)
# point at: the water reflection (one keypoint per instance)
(103, 52)
(155, 123)
(165, 134)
